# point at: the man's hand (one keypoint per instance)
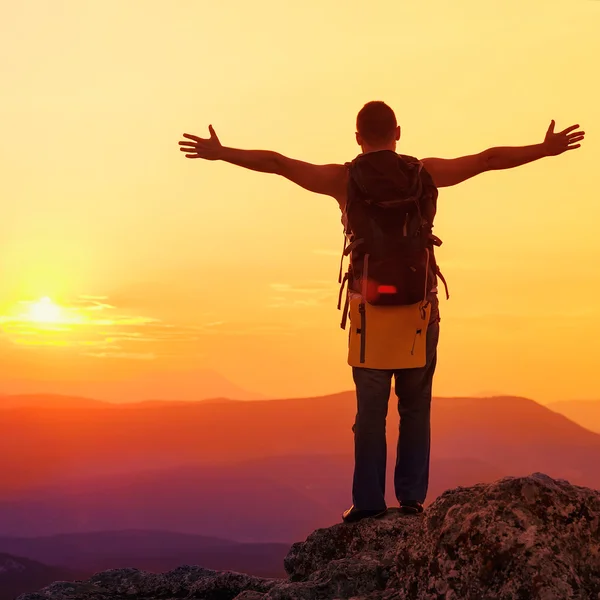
(447, 172)
(209, 149)
(557, 143)
(329, 180)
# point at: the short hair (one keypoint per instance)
(376, 122)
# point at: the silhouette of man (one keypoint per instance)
(377, 130)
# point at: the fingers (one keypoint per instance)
(551, 128)
(576, 138)
(574, 147)
(568, 130)
(191, 152)
(213, 135)
(195, 138)
(188, 144)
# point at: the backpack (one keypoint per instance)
(388, 221)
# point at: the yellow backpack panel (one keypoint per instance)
(388, 337)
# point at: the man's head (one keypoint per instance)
(376, 127)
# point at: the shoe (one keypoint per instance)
(353, 514)
(411, 508)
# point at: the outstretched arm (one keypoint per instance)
(321, 179)
(448, 172)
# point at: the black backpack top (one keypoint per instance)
(388, 220)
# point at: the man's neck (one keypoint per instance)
(371, 150)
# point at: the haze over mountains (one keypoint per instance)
(185, 385)
(231, 484)
(147, 550)
(249, 471)
(48, 401)
(54, 401)
(584, 412)
(19, 575)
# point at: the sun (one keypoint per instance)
(44, 311)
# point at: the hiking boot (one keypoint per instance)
(353, 514)
(411, 508)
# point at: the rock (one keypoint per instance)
(525, 538)
(250, 596)
(133, 584)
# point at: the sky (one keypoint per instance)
(121, 259)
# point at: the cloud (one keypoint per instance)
(96, 327)
(309, 294)
(214, 324)
(508, 322)
(127, 355)
(237, 329)
(91, 322)
(88, 303)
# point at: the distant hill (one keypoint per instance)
(19, 575)
(156, 551)
(517, 435)
(193, 385)
(261, 471)
(49, 401)
(38, 446)
(17, 401)
(155, 403)
(584, 412)
(241, 502)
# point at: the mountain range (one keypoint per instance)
(255, 472)
(229, 484)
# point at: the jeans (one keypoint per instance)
(413, 389)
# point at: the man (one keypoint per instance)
(376, 131)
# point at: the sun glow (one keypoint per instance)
(78, 323)
(44, 311)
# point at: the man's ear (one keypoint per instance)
(397, 136)
(358, 139)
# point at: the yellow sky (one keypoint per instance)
(182, 264)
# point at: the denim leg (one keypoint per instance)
(413, 388)
(372, 393)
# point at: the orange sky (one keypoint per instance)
(163, 264)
